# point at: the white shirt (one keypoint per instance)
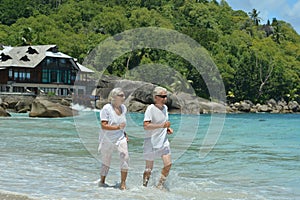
(108, 114)
(156, 116)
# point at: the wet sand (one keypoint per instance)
(12, 196)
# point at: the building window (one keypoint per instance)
(16, 75)
(63, 61)
(51, 62)
(73, 75)
(10, 73)
(45, 76)
(63, 76)
(54, 76)
(28, 75)
(22, 75)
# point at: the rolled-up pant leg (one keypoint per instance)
(124, 155)
(106, 153)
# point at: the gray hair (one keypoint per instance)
(157, 90)
(114, 93)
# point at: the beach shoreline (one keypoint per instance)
(5, 195)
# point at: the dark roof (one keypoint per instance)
(31, 56)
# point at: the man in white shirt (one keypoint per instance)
(156, 143)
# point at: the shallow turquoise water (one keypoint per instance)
(255, 157)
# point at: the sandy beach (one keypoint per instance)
(13, 196)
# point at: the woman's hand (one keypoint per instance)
(106, 126)
(169, 131)
(122, 126)
(126, 136)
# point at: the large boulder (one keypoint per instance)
(263, 108)
(45, 108)
(17, 103)
(184, 103)
(3, 104)
(4, 113)
(211, 107)
(294, 106)
(136, 106)
(23, 106)
(11, 101)
(245, 107)
(139, 96)
(272, 103)
(140, 91)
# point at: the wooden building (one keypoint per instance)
(41, 69)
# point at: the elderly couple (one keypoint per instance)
(113, 136)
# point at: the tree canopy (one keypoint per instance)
(256, 61)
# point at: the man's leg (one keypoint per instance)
(147, 172)
(165, 171)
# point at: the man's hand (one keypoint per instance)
(167, 124)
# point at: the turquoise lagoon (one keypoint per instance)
(256, 156)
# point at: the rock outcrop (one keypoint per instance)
(44, 108)
(4, 113)
(139, 96)
(271, 106)
(18, 102)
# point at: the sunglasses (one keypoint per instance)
(162, 96)
(121, 95)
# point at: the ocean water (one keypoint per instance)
(250, 156)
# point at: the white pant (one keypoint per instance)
(107, 148)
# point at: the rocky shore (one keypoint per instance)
(138, 97)
(36, 106)
(271, 106)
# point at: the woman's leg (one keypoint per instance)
(106, 153)
(124, 162)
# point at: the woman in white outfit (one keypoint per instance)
(113, 136)
(156, 143)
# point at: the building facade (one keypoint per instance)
(41, 69)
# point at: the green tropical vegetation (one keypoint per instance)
(256, 61)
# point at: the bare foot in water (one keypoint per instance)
(123, 186)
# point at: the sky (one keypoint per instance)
(286, 10)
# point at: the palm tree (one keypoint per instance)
(254, 16)
(278, 34)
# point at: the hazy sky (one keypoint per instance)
(286, 10)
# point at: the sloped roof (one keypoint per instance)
(83, 68)
(25, 56)
(31, 56)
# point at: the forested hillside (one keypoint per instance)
(257, 61)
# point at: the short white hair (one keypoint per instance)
(115, 92)
(157, 90)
